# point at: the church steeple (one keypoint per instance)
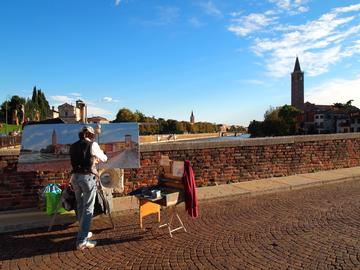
(192, 118)
(297, 86)
(297, 65)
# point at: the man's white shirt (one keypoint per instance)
(96, 151)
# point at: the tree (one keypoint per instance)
(289, 114)
(151, 125)
(38, 103)
(234, 128)
(275, 128)
(256, 129)
(345, 107)
(15, 103)
(272, 113)
(171, 126)
(125, 115)
(140, 117)
(278, 121)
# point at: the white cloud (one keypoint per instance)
(75, 94)
(117, 2)
(319, 43)
(291, 6)
(195, 22)
(108, 100)
(96, 111)
(348, 8)
(164, 15)
(62, 99)
(284, 4)
(235, 13)
(167, 14)
(247, 24)
(338, 90)
(302, 9)
(211, 9)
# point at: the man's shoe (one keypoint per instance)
(86, 244)
(90, 234)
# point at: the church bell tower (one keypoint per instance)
(297, 86)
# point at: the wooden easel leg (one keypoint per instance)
(108, 209)
(182, 225)
(112, 222)
(54, 216)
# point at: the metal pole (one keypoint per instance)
(6, 118)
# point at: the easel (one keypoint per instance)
(148, 206)
(169, 220)
(171, 187)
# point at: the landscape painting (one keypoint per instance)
(46, 147)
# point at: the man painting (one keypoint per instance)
(85, 153)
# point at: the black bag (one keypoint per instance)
(103, 202)
(68, 200)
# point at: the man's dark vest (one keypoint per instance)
(81, 156)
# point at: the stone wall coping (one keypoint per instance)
(186, 145)
(190, 145)
(9, 152)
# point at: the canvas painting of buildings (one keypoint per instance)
(46, 147)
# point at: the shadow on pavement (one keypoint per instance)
(36, 242)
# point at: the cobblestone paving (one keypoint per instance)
(316, 228)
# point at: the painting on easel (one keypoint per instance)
(45, 147)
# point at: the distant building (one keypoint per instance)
(223, 127)
(297, 86)
(192, 118)
(355, 122)
(73, 114)
(321, 118)
(98, 120)
(54, 113)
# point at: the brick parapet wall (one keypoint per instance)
(213, 162)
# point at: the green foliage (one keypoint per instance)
(151, 125)
(237, 129)
(204, 127)
(289, 114)
(9, 128)
(125, 115)
(346, 107)
(38, 103)
(15, 103)
(280, 121)
(272, 113)
(255, 128)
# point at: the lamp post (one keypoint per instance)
(97, 132)
(6, 114)
(6, 118)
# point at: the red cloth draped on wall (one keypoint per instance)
(191, 203)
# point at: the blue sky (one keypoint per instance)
(228, 61)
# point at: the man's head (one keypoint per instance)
(88, 132)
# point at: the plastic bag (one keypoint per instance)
(52, 199)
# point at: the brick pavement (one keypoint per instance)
(314, 228)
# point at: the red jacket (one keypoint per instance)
(191, 203)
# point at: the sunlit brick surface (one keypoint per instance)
(316, 228)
